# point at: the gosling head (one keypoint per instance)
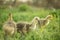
(36, 19)
(49, 17)
(10, 16)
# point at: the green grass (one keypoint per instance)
(51, 32)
